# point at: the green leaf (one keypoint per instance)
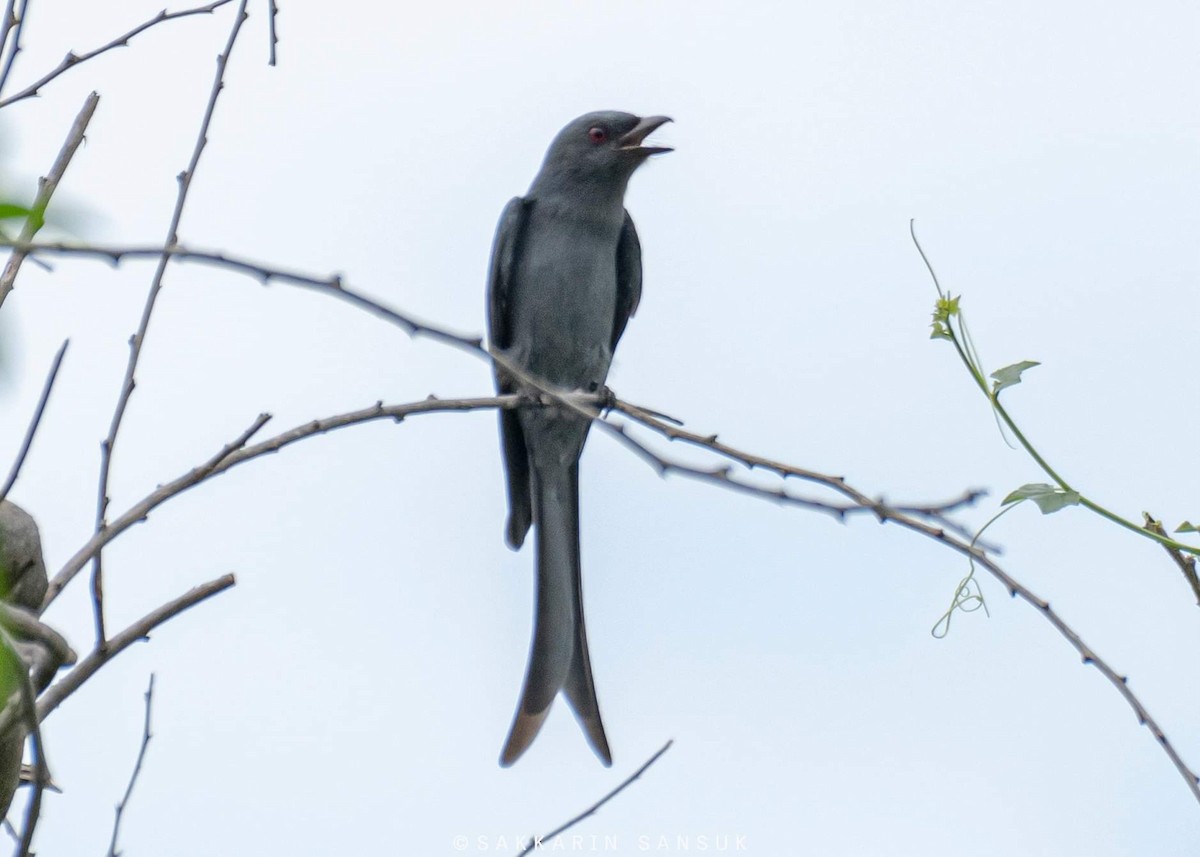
(940, 331)
(945, 307)
(1010, 375)
(1031, 489)
(9, 210)
(1187, 527)
(1049, 498)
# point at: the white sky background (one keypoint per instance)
(351, 694)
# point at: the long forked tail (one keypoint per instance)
(558, 655)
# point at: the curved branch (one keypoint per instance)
(885, 514)
(537, 843)
(46, 187)
(35, 421)
(73, 60)
(137, 769)
(98, 657)
(333, 286)
(138, 338)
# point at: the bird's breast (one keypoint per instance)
(565, 300)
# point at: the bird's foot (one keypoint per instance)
(606, 398)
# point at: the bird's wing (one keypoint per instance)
(629, 277)
(503, 269)
(505, 251)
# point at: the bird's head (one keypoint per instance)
(602, 148)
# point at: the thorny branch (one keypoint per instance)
(53, 696)
(14, 23)
(1014, 587)
(1185, 562)
(10, 20)
(272, 14)
(35, 421)
(137, 769)
(138, 339)
(238, 452)
(74, 60)
(925, 520)
(139, 630)
(331, 285)
(46, 188)
(334, 286)
(540, 842)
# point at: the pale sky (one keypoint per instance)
(352, 693)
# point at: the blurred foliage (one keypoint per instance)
(12, 217)
(16, 219)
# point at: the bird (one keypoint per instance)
(564, 279)
(39, 648)
(23, 579)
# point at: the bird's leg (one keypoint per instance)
(608, 399)
(658, 415)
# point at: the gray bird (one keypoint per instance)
(22, 572)
(566, 275)
(23, 585)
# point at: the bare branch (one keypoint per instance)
(73, 60)
(236, 453)
(272, 14)
(135, 343)
(232, 454)
(10, 21)
(139, 630)
(331, 285)
(723, 476)
(1187, 564)
(908, 519)
(46, 188)
(137, 769)
(1014, 587)
(35, 421)
(334, 286)
(537, 842)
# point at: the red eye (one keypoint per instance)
(597, 135)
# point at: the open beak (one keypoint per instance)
(632, 141)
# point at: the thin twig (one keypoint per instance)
(912, 231)
(233, 454)
(135, 343)
(73, 60)
(137, 769)
(10, 20)
(335, 287)
(272, 14)
(46, 188)
(968, 354)
(331, 285)
(139, 630)
(142, 509)
(1014, 587)
(35, 421)
(237, 452)
(6, 25)
(538, 842)
(723, 476)
(1186, 563)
